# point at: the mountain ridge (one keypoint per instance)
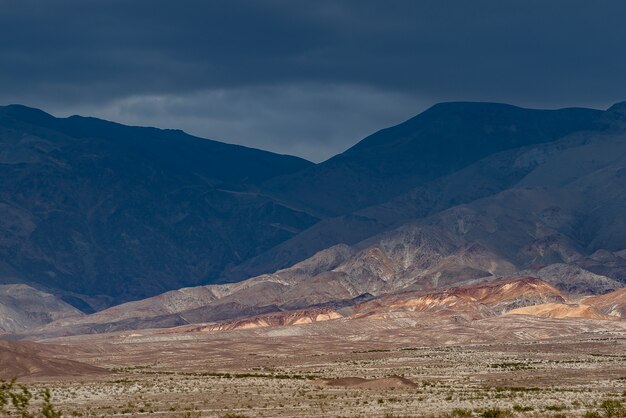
(534, 227)
(391, 153)
(99, 223)
(104, 215)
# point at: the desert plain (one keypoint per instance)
(408, 365)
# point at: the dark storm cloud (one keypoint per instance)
(305, 77)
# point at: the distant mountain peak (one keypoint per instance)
(460, 105)
(26, 114)
(97, 207)
(618, 108)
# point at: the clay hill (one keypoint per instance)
(612, 304)
(521, 295)
(608, 306)
(520, 307)
(513, 296)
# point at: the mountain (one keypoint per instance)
(484, 178)
(22, 307)
(100, 213)
(453, 153)
(443, 139)
(575, 280)
(565, 210)
(288, 300)
(564, 221)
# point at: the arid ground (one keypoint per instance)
(406, 366)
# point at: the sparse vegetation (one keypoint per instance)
(556, 408)
(16, 399)
(443, 382)
(496, 413)
(520, 408)
(613, 409)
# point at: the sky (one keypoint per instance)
(308, 78)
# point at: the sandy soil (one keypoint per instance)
(528, 366)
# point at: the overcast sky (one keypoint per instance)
(309, 78)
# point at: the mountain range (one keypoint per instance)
(102, 213)
(182, 230)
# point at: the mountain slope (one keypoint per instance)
(22, 307)
(613, 304)
(549, 218)
(100, 213)
(437, 142)
(89, 207)
(577, 281)
(542, 220)
(483, 178)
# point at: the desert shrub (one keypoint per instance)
(521, 408)
(556, 408)
(15, 400)
(608, 409)
(613, 409)
(495, 413)
(459, 413)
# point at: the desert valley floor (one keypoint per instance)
(512, 365)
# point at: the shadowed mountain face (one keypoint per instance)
(452, 154)
(100, 213)
(563, 221)
(115, 213)
(439, 141)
